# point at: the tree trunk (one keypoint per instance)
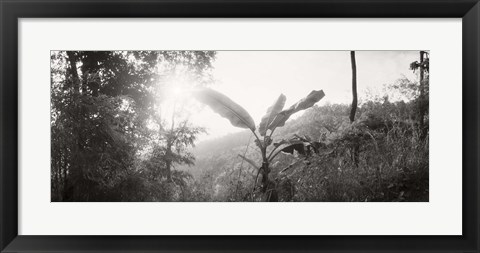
(90, 66)
(268, 186)
(73, 71)
(168, 163)
(422, 97)
(355, 148)
(74, 171)
(169, 171)
(354, 86)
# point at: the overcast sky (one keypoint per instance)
(254, 79)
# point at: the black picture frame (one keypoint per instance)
(11, 11)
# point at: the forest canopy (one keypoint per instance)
(109, 139)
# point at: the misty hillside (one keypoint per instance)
(219, 167)
(223, 151)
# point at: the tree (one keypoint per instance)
(172, 144)
(424, 67)
(169, 149)
(274, 118)
(356, 148)
(102, 102)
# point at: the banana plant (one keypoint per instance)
(275, 117)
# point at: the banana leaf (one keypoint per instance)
(303, 104)
(271, 114)
(226, 107)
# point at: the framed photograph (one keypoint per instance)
(174, 126)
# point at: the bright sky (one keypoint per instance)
(255, 79)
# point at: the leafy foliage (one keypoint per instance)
(102, 103)
(228, 109)
(110, 143)
(272, 112)
(303, 104)
(314, 157)
(239, 117)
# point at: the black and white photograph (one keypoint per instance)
(239, 126)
